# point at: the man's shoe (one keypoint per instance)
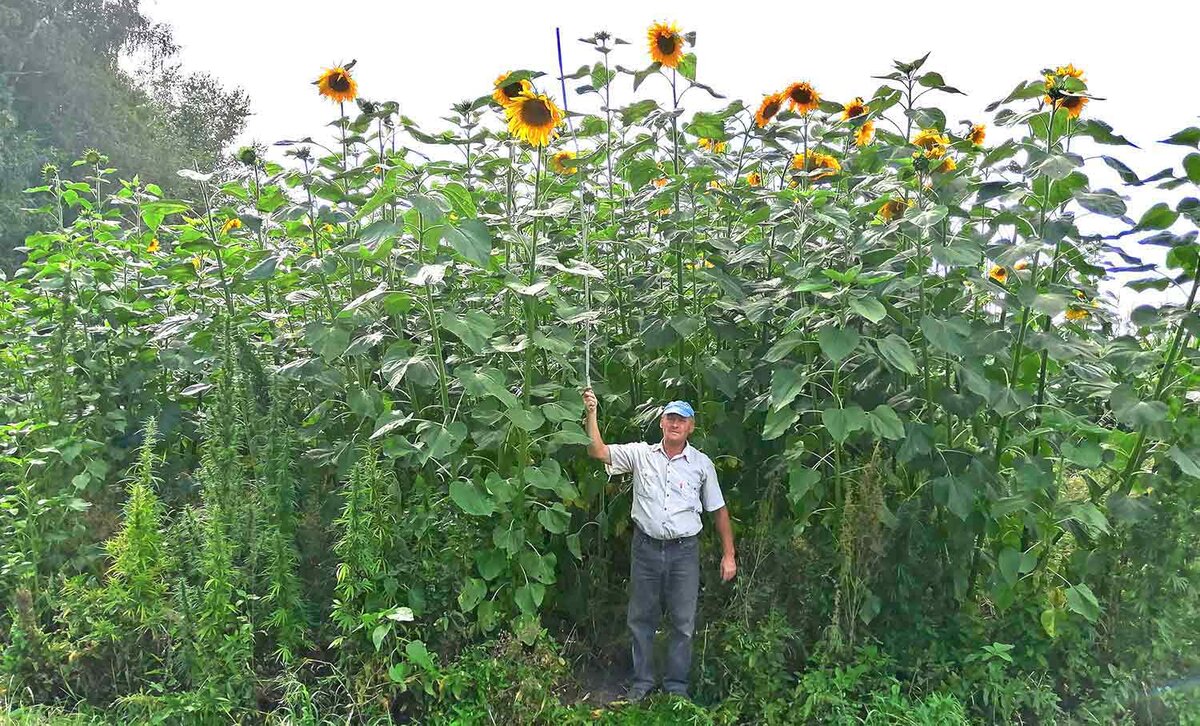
(637, 693)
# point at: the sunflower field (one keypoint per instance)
(305, 446)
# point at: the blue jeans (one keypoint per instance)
(663, 575)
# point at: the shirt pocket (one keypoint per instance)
(692, 491)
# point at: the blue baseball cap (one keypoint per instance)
(683, 408)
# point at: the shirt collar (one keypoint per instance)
(687, 449)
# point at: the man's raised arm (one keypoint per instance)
(597, 449)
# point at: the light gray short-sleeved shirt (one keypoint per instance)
(668, 493)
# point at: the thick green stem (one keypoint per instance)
(1139, 447)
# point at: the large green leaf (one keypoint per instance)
(490, 563)
(895, 350)
(786, 384)
(1082, 600)
(471, 498)
(1134, 411)
(841, 422)
(778, 422)
(555, 519)
(471, 239)
(471, 594)
(886, 423)
(837, 343)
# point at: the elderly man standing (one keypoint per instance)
(672, 481)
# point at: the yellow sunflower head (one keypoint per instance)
(802, 98)
(153, 246)
(1069, 70)
(1022, 265)
(506, 92)
(196, 263)
(978, 133)
(930, 139)
(533, 118)
(948, 165)
(1073, 105)
(661, 182)
(754, 179)
(666, 44)
(337, 85)
(999, 274)
(232, 224)
(1077, 313)
(558, 165)
(894, 208)
(768, 109)
(716, 147)
(823, 164)
(715, 185)
(865, 134)
(854, 109)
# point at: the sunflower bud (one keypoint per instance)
(247, 155)
(92, 156)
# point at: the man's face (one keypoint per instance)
(676, 429)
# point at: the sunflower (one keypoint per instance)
(153, 246)
(816, 160)
(196, 263)
(1077, 313)
(1073, 105)
(556, 162)
(977, 134)
(715, 147)
(533, 118)
(947, 165)
(854, 109)
(999, 274)
(506, 93)
(1022, 265)
(894, 208)
(664, 212)
(666, 44)
(337, 85)
(715, 185)
(754, 179)
(865, 134)
(768, 108)
(930, 139)
(661, 182)
(802, 98)
(232, 224)
(1069, 70)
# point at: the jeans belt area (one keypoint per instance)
(672, 540)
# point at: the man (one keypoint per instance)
(672, 481)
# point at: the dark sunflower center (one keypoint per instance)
(339, 82)
(771, 109)
(666, 44)
(535, 112)
(855, 110)
(512, 90)
(802, 95)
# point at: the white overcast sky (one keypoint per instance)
(427, 55)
